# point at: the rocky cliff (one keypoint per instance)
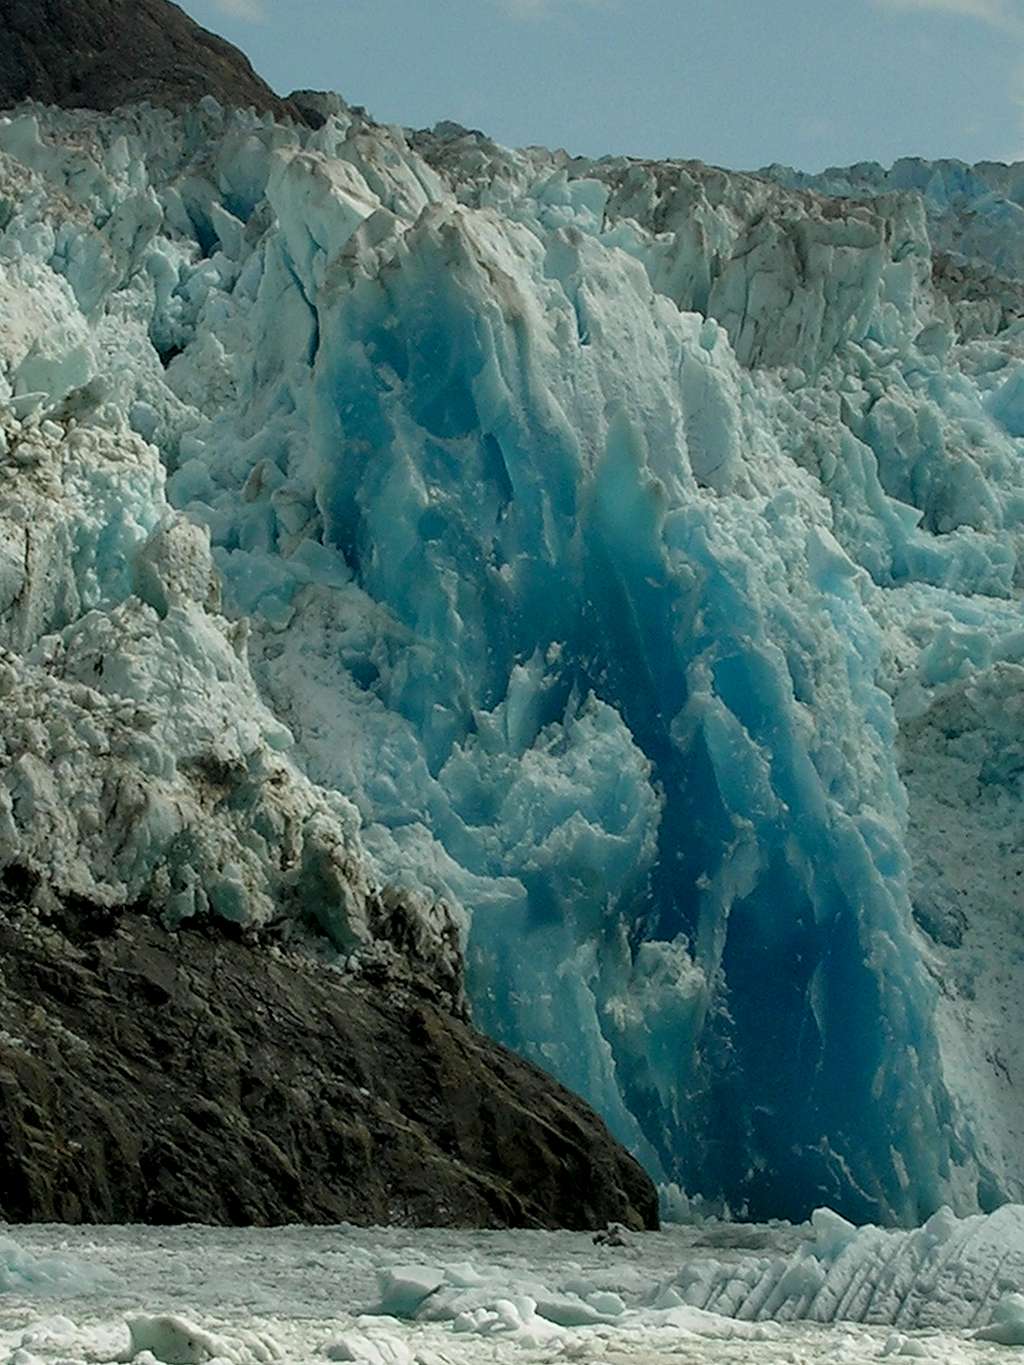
(148, 1076)
(106, 53)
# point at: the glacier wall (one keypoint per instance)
(962, 1273)
(627, 560)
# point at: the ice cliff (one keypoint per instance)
(950, 1272)
(619, 561)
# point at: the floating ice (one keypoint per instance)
(175, 1340)
(405, 1288)
(25, 1273)
(358, 1346)
(172, 1340)
(943, 1293)
(1007, 1325)
(950, 1273)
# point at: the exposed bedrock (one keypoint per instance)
(147, 1076)
(98, 54)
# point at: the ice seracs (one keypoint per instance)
(138, 761)
(950, 1272)
(630, 559)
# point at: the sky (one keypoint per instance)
(737, 83)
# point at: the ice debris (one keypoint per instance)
(404, 1289)
(1007, 1325)
(170, 1339)
(525, 1310)
(947, 1292)
(25, 1273)
(948, 1275)
(358, 1346)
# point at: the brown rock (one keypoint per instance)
(165, 1078)
(100, 54)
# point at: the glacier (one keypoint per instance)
(619, 561)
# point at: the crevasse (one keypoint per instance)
(631, 560)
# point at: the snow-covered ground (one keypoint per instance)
(253, 1296)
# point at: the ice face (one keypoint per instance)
(949, 1273)
(973, 212)
(631, 556)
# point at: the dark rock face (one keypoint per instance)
(155, 1077)
(99, 54)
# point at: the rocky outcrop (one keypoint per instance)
(100, 54)
(148, 1076)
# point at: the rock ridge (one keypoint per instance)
(158, 1077)
(110, 53)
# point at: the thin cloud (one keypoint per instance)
(542, 9)
(1007, 15)
(251, 10)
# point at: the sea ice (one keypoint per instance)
(250, 1297)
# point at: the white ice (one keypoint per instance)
(249, 1297)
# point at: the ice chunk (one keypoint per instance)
(172, 1340)
(404, 1289)
(1007, 1325)
(606, 1303)
(174, 567)
(376, 1350)
(23, 1272)
(518, 1319)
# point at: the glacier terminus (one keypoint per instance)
(619, 561)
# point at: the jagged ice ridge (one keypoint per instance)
(620, 562)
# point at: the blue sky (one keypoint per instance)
(739, 83)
